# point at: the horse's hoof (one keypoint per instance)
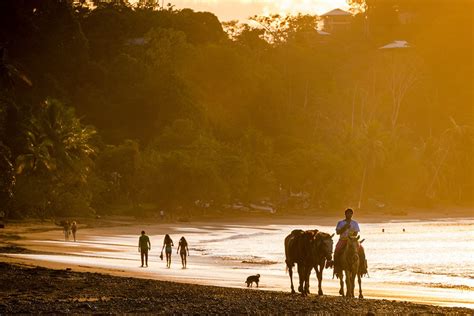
(361, 296)
(293, 291)
(320, 292)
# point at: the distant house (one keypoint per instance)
(336, 20)
(396, 45)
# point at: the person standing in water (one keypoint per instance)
(183, 245)
(144, 245)
(168, 243)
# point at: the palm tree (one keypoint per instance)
(56, 140)
(455, 143)
(10, 74)
(371, 142)
(7, 176)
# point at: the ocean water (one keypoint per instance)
(434, 254)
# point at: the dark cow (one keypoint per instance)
(308, 249)
(298, 250)
(322, 255)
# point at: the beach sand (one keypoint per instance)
(40, 290)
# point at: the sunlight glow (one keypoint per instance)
(242, 9)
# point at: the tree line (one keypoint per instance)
(122, 106)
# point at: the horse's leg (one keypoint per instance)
(348, 283)
(290, 271)
(319, 274)
(353, 283)
(359, 278)
(341, 281)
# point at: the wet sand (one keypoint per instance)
(40, 290)
(33, 245)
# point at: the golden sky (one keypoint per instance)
(241, 9)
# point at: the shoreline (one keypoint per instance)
(41, 245)
(232, 216)
(40, 290)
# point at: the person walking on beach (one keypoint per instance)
(66, 229)
(345, 228)
(74, 229)
(144, 245)
(183, 245)
(167, 245)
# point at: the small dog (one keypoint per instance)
(253, 278)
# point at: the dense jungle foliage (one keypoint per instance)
(141, 106)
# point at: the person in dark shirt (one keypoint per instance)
(144, 245)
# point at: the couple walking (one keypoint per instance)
(144, 245)
(68, 229)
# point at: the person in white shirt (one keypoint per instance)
(345, 228)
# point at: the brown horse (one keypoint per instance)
(351, 266)
(298, 250)
(321, 254)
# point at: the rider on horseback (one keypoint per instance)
(345, 228)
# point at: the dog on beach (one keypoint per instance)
(251, 279)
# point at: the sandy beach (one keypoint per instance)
(40, 290)
(108, 246)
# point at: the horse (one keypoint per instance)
(321, 255)
(298, 250)
(351, 266)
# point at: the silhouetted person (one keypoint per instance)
(144, 245)
(183, 246)
(383, 230)
(403, 229)
(345, 228)
(74, 229)
(167, 245)
(162, 215)
(66, 229)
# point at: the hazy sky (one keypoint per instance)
(241, 9)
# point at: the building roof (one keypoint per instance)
(396, 44)
(337, 12)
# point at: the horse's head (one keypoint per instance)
(324, 245)
(353, 244)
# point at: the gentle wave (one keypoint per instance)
(460, 275)
(420, 271)
(233, 237)
(259, 261)
(249, 260)
(440, 285)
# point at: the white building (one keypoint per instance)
(336, 20)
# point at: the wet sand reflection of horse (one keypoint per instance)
(308, 249)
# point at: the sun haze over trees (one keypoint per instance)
(143, 106)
